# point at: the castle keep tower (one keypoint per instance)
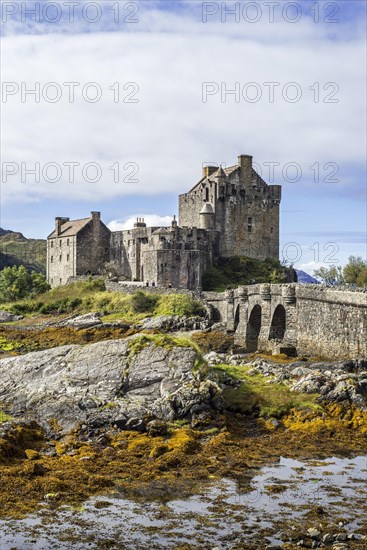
(245, 210)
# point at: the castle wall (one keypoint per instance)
(92, 248)
(61, 260)
(248, 220)
(178, 259)
(191, 203)
(126, 251)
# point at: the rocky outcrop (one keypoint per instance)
(171, 323)
(161, 323)
(6, 317)
(335, 381)
(83, 321)
(120, 382)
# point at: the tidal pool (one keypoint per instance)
(269, 506)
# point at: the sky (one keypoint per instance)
(115, 106)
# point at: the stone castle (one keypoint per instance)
(229, 212)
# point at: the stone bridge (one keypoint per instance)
(297, 319)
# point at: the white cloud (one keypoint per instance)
(310, 267)
(152, 220)
(170, 132)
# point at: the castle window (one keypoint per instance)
(52, 281)
(52, 259)
(234, 192)
(221, 190)
(60, 281)
(60, 258)
(52, 244)
(67, 242)
(249, 225)
(206, 194)
(272, 230)
(67, 257)
(60, 242)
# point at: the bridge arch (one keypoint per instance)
(278, 323)
(253, 328)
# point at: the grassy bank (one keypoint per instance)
(88, 296)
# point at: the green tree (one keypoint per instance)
(362, 278)
(355, 271)
(39, 284)
(331, 276)
(17, 283)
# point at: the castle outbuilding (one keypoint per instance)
(229, 212)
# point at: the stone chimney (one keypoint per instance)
(58, 223)
(245, 163)
(140, 223)
(174, 223)
(209, 170)
(96, 216)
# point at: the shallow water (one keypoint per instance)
(253, 511)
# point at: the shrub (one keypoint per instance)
(240, 270)
(180, 304)
(213, 341)
(143, 303)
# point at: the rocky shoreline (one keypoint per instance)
(150, 413)
(130, 383)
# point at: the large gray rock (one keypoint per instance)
(169, 323)
(6, 317)
(83, 321)
(104, 384)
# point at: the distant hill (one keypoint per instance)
(4, 232)
(303, 277)
(16, 249)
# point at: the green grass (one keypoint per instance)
(5, 417)
(258, 394)
(141, 341)
(87, 296)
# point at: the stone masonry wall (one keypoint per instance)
(93, 248)
(319, 321)
(332, 323)
(61, 260)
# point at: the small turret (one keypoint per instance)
(207, 216)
